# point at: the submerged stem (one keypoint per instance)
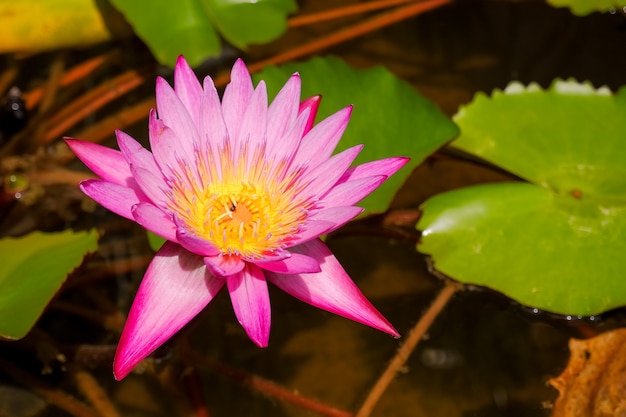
(414, 336)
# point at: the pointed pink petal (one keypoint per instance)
(236, 98)
(224, 265)
(312, 104)
(165, 146)
(312, 230)
(337, 215)
(188, 89)
(174, 290)
(351, 192)
(331, 290)
(107, 163)
(295, 264)
(154, 219)
(195, 244)
(284, 109)
(251, 303)
(175, 116)
(135, 153)
(325, 176)
(152, 185)
(386, 167)
(212, 125)
(117, 198)
(253, 123)
(321, 141)
(283, 149)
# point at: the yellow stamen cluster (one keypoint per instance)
(247, 209)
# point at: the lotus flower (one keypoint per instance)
(242, 192)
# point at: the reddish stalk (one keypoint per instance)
(120, 120)
(32, 98)
(340, 12)
(342, 35)
(93, 100)
(413, 338)
(262, 385)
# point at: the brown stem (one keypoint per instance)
(344, 11)
(80, 108)
(351, 32)
(32, 98)
(414, 336)
(105, 127)
(263, 385)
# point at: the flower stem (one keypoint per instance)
(407, 348)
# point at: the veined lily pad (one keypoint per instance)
(557, 242)
(33, 268)
(390, 118)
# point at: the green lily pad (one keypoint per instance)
(555, 243)
(390, 118)
(248, 22)
(33, 268)
(190, 27)
(585, 7)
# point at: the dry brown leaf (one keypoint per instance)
(594, 382)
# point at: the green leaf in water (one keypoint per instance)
(556, 243)
(389, 116)
(33, 268)
(189, 27)
(249, 21)
(585, 7)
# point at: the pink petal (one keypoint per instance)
(117, 198)
(188, 89)
(283, 149)
(253, 123)
(195, 244)
(174, 290)
(135, 153)
(283, 111)
(386, 167)
(312, 104)
(175, 116)
(107, 163)
(295, 264)
(331, 290)
(155, 220)
(321, 141)
(152, 185)
(224, 265)
(312, 230)
(351, 192)
(337, 215)
(251, 303)
(165, 146)
(212, 126)
(236, 98)
(325, 176)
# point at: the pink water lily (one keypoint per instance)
(242, 192)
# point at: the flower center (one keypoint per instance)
(251, 214)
